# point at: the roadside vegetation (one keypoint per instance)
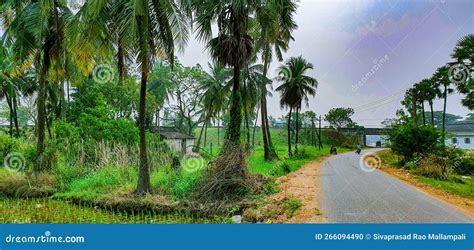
(418, 151)
(418, 139)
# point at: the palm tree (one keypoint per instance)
(442, 80)
(421, 90)
(215, 96)
(430, 93)
(295, 88)
(38, 31)
(231, 47)
(148, 28)
(275, 24)
(253, 79)
(464, 55)
(161, 85)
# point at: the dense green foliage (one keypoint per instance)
(409, 140)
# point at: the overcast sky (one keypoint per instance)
(367, 53)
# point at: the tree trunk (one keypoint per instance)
(247, 128)
(319, 135)
(41, 114)
(205, 133)
(297, 128)
(414, 114)
(445, 97)
(196, 149)
(218, 131)
(10, 107)
(158, 120)
(423, 112)
(269, 150)
(254, 127)
(289, 133)
(121, 63)
(432, 113)
(144, 171)
(233, 131)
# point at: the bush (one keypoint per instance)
(465, 166)
(408, 140)
(17, 185)
(7, 145)
(439, 164)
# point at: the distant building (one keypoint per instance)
(461, 134)
(177, 141)
(277, 123)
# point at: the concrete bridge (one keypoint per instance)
(369, 136)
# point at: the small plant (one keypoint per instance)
(291, 205)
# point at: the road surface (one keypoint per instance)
(354, 194)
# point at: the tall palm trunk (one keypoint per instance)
(233, 131)
(121, 63)
(204, 125)
(254, 127)
(205, 134)
(41, 109)
(10, 107)
(414, 114)
(432, 112)
(297, 128)
(143, 185)
(445, 97)
(423, 112)
(144, 171)
(269, 150)
(247, 127)
(289, 133)
(218, 130)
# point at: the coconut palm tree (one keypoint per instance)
(430, 93)
(295, 88)
(231, 47)
(147, 29)
(253, 78)
(37, 33)
(464, 56)
(215, 96)
(441, 80)
(274, 27)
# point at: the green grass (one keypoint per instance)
(52, 211)
(105, 181)
(257, 163)
(455, 184)
(284, 165)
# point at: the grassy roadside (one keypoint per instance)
(462, 186)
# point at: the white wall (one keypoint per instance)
(175, 145)
(460, 137)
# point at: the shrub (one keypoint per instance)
(465, 166)
(17, 185)
(291, 205)
(440, 164)
(408, 140)
(7, 145)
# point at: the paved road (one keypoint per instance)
(351, 194)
